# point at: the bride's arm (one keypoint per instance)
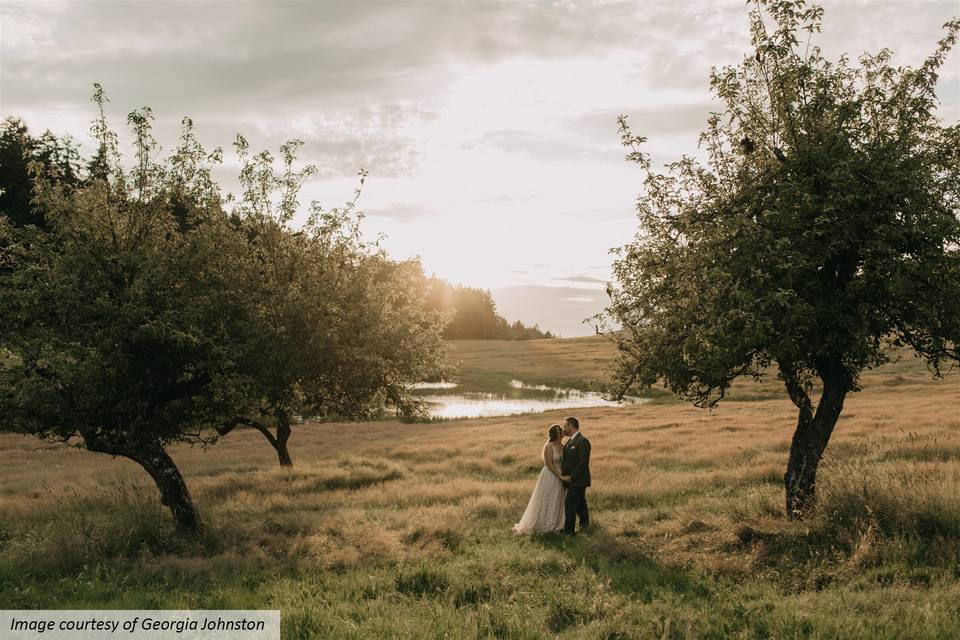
(548, 459)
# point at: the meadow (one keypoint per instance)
(583, 363)
(392, 530)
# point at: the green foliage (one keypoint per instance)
(120, 322)
(151, 310)
(22, 155)
(341, 330)
(821, 231)
(824, 220)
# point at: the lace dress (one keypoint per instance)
(544, 512)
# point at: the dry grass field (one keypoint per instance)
(585, 363)
(571, 361)
(390, 530)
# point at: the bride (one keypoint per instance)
(544, 512)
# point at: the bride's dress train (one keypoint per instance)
(544, 513)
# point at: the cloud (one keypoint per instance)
(504, 198)
(649, 120)
(583, 279)
(283, 50)
(547, 146)
(489, 128)
(400, 212)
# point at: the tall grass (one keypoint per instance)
(389, 530)
(894, 510)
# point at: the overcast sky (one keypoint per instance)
(489, 129)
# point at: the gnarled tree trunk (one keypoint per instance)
(278, 442)
(810, 439)
(161, 467)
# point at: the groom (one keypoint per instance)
(575, 470)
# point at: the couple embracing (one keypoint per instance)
(560, 496)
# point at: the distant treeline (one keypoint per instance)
(57, 157)
(474, 315)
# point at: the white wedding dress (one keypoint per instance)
(544, 513)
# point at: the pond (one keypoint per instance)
(447, 400)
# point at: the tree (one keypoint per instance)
(57, 158)
(341, 329)
(473, 315)
(820, 233)
(392, 339)
(147, 314)
(121, 325)
(144, 313)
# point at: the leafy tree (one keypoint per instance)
(122, 325)
(821, 233)
(21, 153)
(395, 339)
(341, 329)
(147, 314)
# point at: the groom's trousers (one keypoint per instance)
(574, 506)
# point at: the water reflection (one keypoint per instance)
(435, 385)
(517, 399)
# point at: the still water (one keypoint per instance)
(446, 400)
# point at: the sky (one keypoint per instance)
(489, 129)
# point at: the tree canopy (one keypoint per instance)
(21, 154)
(150, 310)
(340, 329)
(819, 232)
(116, 320)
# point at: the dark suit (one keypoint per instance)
(576, 464)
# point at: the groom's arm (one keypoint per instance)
(583, 461)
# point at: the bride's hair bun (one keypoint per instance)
(554, 432)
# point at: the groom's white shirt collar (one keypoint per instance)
(573, 437)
